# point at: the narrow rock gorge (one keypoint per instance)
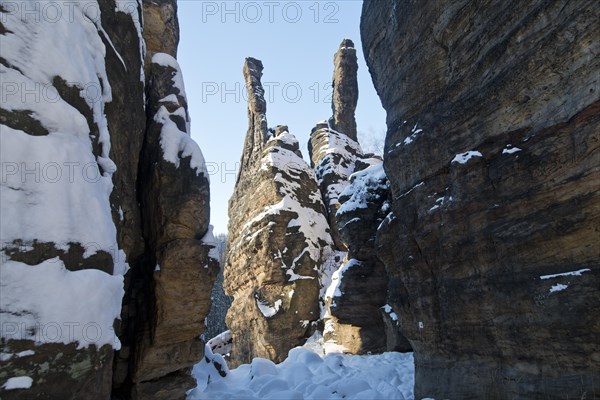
(105, 205)
(286, 218)
(472, 242)
(278, 239)
(492, 156)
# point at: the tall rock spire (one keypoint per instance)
(333, 146)
(122, 253)
(257, 113)
(354, 190)
(345, 89)
(278, 240)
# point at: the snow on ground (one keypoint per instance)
(305, 374)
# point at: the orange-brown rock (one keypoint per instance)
(345, 89)
(148, 207)
(278, 240)
(161, 27)
(179, 273)
(355, 303)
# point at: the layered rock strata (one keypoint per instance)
(354, 190)
(333, 147)
(492, 158)
(278, 239)
(104, 215)
(180, 271)
(333, 156)
(345, 89)
(363, 321)
(65, 248)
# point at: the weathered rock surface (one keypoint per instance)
(345, 89)
(278, 239)
(355, 299)
(180, 268)
(362, 323)
(333, 156)
(161, 28)
(118, 159)
(333, 147)
(65, 122)
(492, 157)
(178, 273)
(88, 370)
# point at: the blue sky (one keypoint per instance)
(296, 41)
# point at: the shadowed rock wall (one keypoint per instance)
(492, 157)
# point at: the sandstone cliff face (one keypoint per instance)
(333, 156)
(333, 147)
(63, 257)
(356, 201)
(364, 322)
(492, 157)
(79, 276)
(161, 28)
(345, 89)
(278, 239)
(175, 210)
